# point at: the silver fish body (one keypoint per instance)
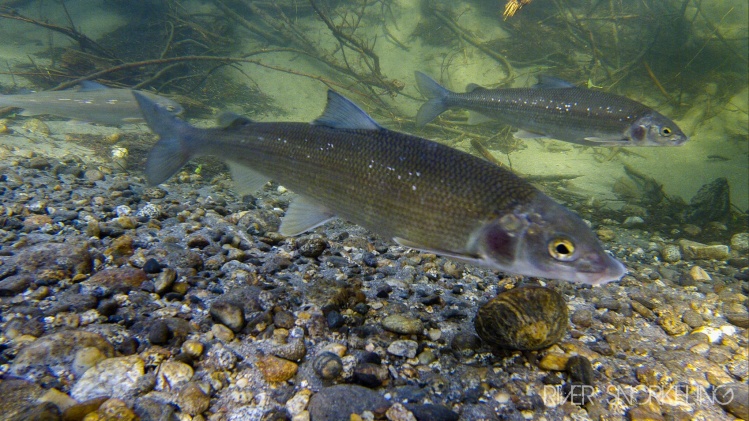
(414, 191)
(558, 110)
(90, 102)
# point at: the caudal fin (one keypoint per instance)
(436, 104)
(172, 151)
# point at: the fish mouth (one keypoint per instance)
(614, 270)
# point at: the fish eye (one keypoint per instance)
(666, 131)
(561, 249)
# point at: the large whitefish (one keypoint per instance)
(414, 191)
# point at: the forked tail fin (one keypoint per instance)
(436, 104)
(172, 151)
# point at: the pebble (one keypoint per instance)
(276, 369)
(524, 318)
(398, 412)
(192, 400)
(692, 319)
(582, 318)
(340, 402)
(114, 409)
(736, 314)
(86, 358)
(403, 348)
(327, 365)
(670, 253)
(692, 250)
(433, 412)
(163, 282)
(113, 377)
(672, 325)
(633, 221)
(554, 361)
(371, 375)
(734, 398)
(740, 242)
(229, 314)
(698, 274)
(404, 325)
(298, 403)
(171, 375)
(192, 348)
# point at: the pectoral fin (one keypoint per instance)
(246, 181)
(611, 140)
(303, 215)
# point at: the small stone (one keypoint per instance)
(93, 175)
(606, 234)
(734, 398)
(341, 402)
(192, 348)
(114, 377)
(740, 242)
(525, 318)
(403, 348)
(151, 266)
(582, 318)
(80, 410)
(164, 281)
(222, 333)
(86, 358)
(736, 314)
(554, 361)
(192, 400)
(298, 403)
(312, 246)
(692, 250)
(398, 412)
(692, 319)
(229, 314)
(327, 365)
(61, 400)
(276, 369)
(371, 374)
(115, 409)
(404, 325)
(670, 253)
(633, 221)
(698, 274)
(172, 375)
(284, 320)
(198, 241)
(113, 280)
(427, 357)
(671, 325)
(159, 333)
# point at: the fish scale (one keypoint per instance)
(414, 191)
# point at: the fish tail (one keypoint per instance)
(173, 149)
(437, 103)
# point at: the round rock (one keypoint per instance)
(398, 323)
(339, 402)
(527, 318)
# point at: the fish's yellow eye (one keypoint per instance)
(561, 249)
(666, 131)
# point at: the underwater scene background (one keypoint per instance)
(124, 300)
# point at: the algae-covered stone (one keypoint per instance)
(526, 318)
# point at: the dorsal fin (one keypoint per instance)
(550, 82)
(230, 120)
(473, 87)
(340, 113)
